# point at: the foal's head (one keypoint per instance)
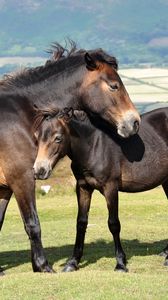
(52, 135)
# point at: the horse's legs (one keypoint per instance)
(84, 194)
(5, 195)
(165, 188)
(24, 190)
(111, 195)
(165, 250)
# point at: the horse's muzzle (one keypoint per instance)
(128, 126)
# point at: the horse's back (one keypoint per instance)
(156, 122)
(155, 115)
(145, 156)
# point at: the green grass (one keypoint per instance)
(144, 220)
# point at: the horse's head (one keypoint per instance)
(52, 135)
(96, 87)
(103, 94)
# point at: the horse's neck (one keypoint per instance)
(59, 90)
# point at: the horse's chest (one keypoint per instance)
(2, 178)
(88, 176)
(92, 181)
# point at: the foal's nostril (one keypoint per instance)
(42, 171)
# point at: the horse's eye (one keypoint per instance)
(113, 87)
(58, 138)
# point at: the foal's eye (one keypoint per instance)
(113, 87)
(58, 138)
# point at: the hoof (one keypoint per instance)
(48, 270)
(71, 266)
(166, 263)
(44, 269)
(1, 272)
(121, 268)
(164, 252)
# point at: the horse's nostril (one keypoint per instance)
(136, 125)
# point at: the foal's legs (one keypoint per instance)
(111, 195)
(5, 195)
(165, 250)
(24, 190)
(84, 194)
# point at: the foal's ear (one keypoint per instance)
(90, 62)
(36, 135)
(68, 114)
(35, 107)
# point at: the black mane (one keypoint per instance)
(63, 59)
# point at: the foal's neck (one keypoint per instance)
(81, 126)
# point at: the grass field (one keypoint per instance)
(144, 219)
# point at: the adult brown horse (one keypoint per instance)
(103, 161)
(83, 80)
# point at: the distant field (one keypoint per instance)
(148, 106)
(146, 85)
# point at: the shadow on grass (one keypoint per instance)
(92, 252)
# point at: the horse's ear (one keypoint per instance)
(68, 114)
(90, 62)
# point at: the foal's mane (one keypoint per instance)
(63, 59)
(42, 114)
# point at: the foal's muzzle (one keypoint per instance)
(42, 169)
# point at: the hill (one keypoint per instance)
(136, 32)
